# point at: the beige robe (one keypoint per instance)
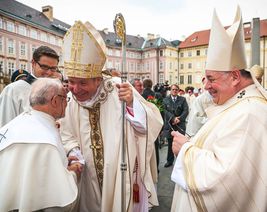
(34, 172)
(224, 165)
(75, 131)
(14, 100)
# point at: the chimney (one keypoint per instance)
(48, 12)
(150, 36)
(105, 30)
(255, 42)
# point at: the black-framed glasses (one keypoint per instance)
(64, 97)
(46, 67)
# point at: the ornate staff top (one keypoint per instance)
(119, 27)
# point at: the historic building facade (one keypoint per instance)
(193, 53)
(22, 30)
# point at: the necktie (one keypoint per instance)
(174, 99)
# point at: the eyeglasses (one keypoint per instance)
(174, 89)
(64, 97)
(46, 67)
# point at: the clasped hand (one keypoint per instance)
(75, 166)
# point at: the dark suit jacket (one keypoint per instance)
(148, 92)
(179, 108)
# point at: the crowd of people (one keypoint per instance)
(61, 140)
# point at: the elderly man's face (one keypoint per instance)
(220, 86)
(83, 89)
(62, 103)
(138, 85)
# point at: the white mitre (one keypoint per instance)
(226, 51)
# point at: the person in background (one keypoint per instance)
(197, 116)
(195, 92)
(38, 175)
(175, 111)
(138, 85)
(147, 83)
(19, 75)
(223, 167)
(92, 127)
(14, 99)
(258, 72)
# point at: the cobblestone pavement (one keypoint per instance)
(165, 185)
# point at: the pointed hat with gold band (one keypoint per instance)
(83, 51)
(226, 51)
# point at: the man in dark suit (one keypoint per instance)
(176, 111)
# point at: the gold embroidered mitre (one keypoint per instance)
(83, 51)
(226, 49)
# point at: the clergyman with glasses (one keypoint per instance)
(38, 175)
(14, 97)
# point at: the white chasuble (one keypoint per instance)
(224, 164)
(76, 131)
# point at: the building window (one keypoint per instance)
(117, 66)
(181, 54)
(23, 66)
(189, 65)
(52, 39)
(110, 52)
(189, 54)
(170, 78)
(23, 49)
(161, 78)
(161, 65)
(161, 53)
(118, 53)
(10, 26)
(198, 53)
(1, 66)
(1, 23)
(131, 67)
(189, 79)
(170, 53)
(109, 64)
(138, 67)
(11, 67)
(206, 51)
(147, 66)
(22, 30)
(170, 65)
(198, 65)
(59, 42)
(43, 37)
(181, 80)
(1, 44)
(10, 46)
(182, 66)
(33, 49)
(33, 34)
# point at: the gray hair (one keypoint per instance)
(134, 80)
(43, 90)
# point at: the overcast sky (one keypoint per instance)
(171, 19)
